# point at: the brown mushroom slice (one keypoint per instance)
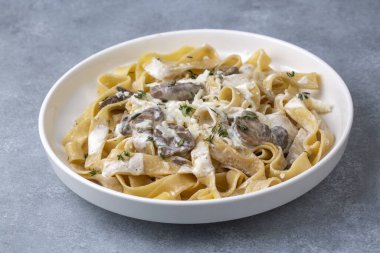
(121, 95)
(231, 71)
(142, 121)
(280, 137)
(172, 91)
(250, 130)
(172, 139)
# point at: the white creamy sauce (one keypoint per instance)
(319, 106)
(278, 119)
(97, 138)
(140, 104)
(233, 139)
(202, 160)
(140, 140)
(295, 103)
(297, 146)
(121, 94)
(202, 78)
(134, 166)
(235, 80)
(245, 89)
(173, 114)
(158, 69)
(117, 132)
(246, 69)
(233, 111)
(145, 124)
(303, 80)
(168, 132)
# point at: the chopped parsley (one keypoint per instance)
(162, 156)
(290, 74)
(140, 94)
(120, 157)
(93, 172)
(303, 95)
(180, 142)
(216, 98)
(186, 110)
(209, 138)
(126, 153)
(250, 115)
(243, 127)
(85, 156)
(213, 111)
(189, 56)
(135, 115)
(150, 138)
(220, 130)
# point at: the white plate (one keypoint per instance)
(76, 89)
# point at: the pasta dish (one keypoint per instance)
(191, 125)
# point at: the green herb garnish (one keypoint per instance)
(303, 95)
(180, 142)
(189, 56)
(220, 130)
(213, 111)
(216, 98)
(186, 109)
(150, 138)
(126, 153)
(140, 94)
(163, 157)
(243, 127)
(85, 156)
(120, 157)
(250, 115)
(93, 172)
(290, 74)
(135, 115)
(209, 138)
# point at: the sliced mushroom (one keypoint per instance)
(280, 137)
(142, 121)
(121, 95)
(250, 130)
(172, 139)
(180, 160)
(172, 91)
(231, 71)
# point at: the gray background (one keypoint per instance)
(40, 40)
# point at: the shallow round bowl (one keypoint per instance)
(77, 88)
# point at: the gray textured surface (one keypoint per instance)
(40, 40)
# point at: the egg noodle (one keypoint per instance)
(191, 125)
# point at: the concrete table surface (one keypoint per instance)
(40, 40)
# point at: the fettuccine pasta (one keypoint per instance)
(191, 125)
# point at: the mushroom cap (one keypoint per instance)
(179, 91)
(172, 139)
